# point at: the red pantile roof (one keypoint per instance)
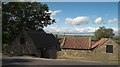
(77, 43)
(81, 43)
(92, 43)
(101, 41)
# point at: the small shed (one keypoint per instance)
(105, 45)
(38, 43)
(105, 48)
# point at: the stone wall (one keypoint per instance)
(18, 49)
(52, 53)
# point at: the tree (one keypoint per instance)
(103, 32)
(117, 39)
(17, 16)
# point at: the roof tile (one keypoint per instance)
(77, 43)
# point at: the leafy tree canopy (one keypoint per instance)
(17, 16)
(103, 32)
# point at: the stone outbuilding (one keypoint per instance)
(38, 43)
(105, 48)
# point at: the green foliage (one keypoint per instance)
(95, 39)
(103, 32)
(117, 39)
(17, 16)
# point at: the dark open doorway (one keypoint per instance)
(44, 53)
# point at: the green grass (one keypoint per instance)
(114, 61)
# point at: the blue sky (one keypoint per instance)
(76, 0)
(82, 17)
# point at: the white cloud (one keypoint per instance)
(54, 29)
(50, 11)
(70, 30)
(116, 29)
(51, 28)
(90, 29)
(53, 13)
(77, 21)
(57, 29)
(113, 21)
(64, 30)
(69, 21)
(78, 30)
(83, 30)
(98, 20)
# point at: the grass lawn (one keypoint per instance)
(88, 59)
